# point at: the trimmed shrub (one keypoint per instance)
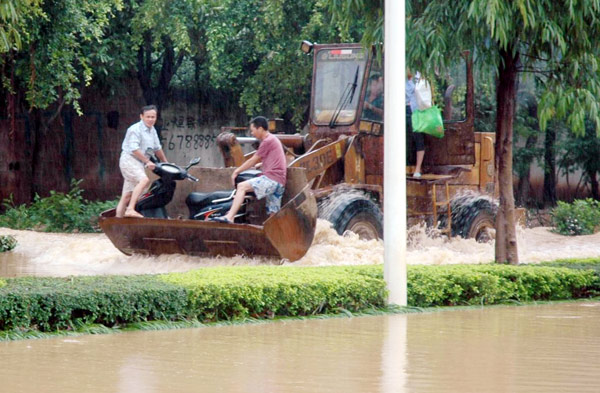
(581, 217)
(586, 263)
(237, 293)
(7, 243)
(489, 284)
(48, 304)
(268, 291)
(58, 212)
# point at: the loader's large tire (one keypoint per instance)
(474, 218)
(482, 227)
(356, 214)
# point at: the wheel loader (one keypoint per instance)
(342, 152)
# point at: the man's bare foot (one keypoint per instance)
(132, 214)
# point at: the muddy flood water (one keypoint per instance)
(50, 254)
(544, 348)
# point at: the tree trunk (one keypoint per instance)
(593, 184)
(549, 168)
(524, 187)
(506, 237)
(525, 180)
(157, 94)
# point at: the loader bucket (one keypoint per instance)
(287, 234)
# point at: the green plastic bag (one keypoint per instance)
(428, 121)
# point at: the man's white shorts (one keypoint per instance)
(132, 170)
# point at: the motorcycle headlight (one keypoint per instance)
(170, 169)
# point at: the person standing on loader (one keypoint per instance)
(139, 138)
(411, 106)
(274, 167)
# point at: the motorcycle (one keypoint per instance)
(152, 203)
(208, 205)
(201, 205)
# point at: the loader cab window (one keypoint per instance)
(450, 92)
(337, 85)
(373, 105)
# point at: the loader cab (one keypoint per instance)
(453, 93)
(337, 89)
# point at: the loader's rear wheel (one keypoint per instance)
(474, 218)
(356, 214)
(482, 227)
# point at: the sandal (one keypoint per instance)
(221, 219)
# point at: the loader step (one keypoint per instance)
(432, 180)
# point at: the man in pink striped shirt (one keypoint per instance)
(274, 167)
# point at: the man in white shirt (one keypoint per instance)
(139, 139)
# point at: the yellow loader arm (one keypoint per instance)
(317, 162)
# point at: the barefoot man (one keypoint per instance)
(139, 138)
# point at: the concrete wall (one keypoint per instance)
(184, 135)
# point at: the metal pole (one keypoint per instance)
(394, 206)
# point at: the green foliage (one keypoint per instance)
(491, 284)
(485, 105)
(60, 39)
(258, 58)
(554, 40)
(580, 152)
(526, 127)
(10, 13)
(582, 217)
(264, 292)
(48, 304)
(7, 243)
(346, 13)
(242, 52)
(58, 212)
(585, 264)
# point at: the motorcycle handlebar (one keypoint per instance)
(192, 178)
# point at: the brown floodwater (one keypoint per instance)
(541, 348)
(54, 254)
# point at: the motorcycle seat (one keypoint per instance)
(205, 198)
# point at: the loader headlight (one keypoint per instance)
(306, 46)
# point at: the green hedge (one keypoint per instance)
(257, 292)
(48, 304)
(491, 284)
(586, 263)
(237, 293)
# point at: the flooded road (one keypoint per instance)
(51, 254)
(544, 348)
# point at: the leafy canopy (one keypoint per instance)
(59, 40)
(554, 40)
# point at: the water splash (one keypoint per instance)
(50, 254)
